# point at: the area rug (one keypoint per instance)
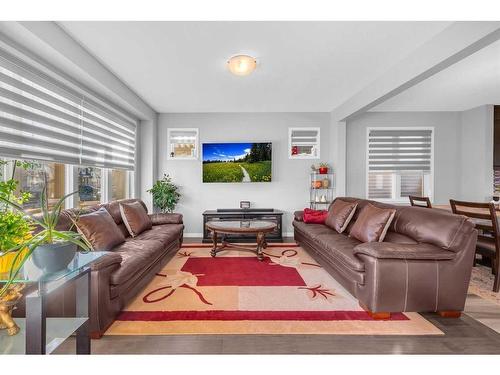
(481, 284)
(234, 293)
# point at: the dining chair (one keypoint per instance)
(488, 241)
(420, 201)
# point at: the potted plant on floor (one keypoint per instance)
(165, 194)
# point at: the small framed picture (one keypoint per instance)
(245, 204)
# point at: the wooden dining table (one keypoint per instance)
(447, 207)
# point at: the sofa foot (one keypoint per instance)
(376, 315)
(95, 335)
(450, 314)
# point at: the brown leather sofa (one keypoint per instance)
(129, 267)
(423, 265)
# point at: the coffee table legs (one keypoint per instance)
(214, 248)
(261, 245)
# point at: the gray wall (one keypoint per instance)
(477, 153)
(463, 150)
(289, 189)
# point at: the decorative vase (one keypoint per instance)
(8, 303)
(54, 257)
(317, 184)
(326, 183)
(323, 170)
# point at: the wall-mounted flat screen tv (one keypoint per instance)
(237, 162)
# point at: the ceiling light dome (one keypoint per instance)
(242, 65)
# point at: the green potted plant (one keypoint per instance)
(51, 249)
(165, 194)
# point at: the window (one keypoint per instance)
(303, 143)
(182, 143)
(75, 135)
(119, 184)
(32, 180)
(89, 186)
(399, 163)
(43, 118)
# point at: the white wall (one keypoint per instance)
(463, 150)
(477, 153)
(288, 190)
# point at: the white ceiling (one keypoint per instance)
(471, 82)
(303, 66)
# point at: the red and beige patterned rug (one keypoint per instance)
(234, 293)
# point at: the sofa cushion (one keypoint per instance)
(372, 224)
(312, 230)
(398, 238)
(114, 208)
(435, 226)
(137, 255)
(340, 214)
(100, 230)
(135, 218)
(165, 218)
(164, 233)
(340, 248)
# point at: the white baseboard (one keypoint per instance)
(193, 234)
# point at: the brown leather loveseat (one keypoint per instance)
(423, 264)
(117, 277)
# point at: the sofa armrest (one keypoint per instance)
(106, 261)
(388, 250)
(298, 215)
(166, 218)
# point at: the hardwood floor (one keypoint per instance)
(462, 336)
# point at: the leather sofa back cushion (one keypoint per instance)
(340, 214)
(372, 224)
(135, 218)
(438, 227)
(100, 230)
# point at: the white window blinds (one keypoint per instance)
(399, 150)
(399, 162)
(41, 118)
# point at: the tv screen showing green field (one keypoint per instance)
(237, 162)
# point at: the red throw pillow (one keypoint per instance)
(314, 216)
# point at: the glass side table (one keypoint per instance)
(42, 335)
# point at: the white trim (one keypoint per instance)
(69, 186)
(399, 200)
(318, 143)
(191, 235)
(196, 144)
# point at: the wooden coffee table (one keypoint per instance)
(257, 227)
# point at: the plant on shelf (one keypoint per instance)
(165, 194)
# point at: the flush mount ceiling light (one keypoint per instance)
(241, 65)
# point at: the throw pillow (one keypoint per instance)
(135, 218)
(314, 216)
(100, 230)
(340, 214)
(372, 224)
